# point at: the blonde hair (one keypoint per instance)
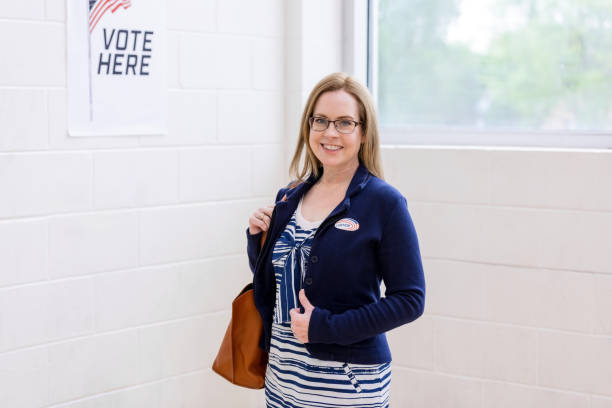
(369, 151)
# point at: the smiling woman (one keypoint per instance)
(332, 237)
(336, 146)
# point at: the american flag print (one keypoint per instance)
(97, 9)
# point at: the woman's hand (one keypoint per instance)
(300, 321)
(260, 220)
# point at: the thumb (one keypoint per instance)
(304, 301)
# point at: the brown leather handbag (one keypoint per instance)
(240, 360)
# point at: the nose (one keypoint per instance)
(331, 131)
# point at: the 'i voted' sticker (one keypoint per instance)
(347, 224)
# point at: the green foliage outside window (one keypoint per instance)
(545, 65)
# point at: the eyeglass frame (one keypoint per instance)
(312, 118)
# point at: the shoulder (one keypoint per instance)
(391, 209)
(387, 196)
(284, 190)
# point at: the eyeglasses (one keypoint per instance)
(319, 124)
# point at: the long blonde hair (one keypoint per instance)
(369, 151)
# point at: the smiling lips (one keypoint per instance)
(331, 148)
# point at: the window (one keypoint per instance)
(512, 72)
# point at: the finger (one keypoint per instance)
(304, 300)
(263, 217)
(300, 335)
(259, 223)
(268, 210)
(265, 211)
(292, 313)
(264, 226)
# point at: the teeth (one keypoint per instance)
(331, 147)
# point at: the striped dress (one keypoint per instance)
(293, 377)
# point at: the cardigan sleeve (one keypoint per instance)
(404, 301)
(253, 248)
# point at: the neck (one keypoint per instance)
(336, 176)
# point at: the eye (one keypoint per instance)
(320, 121)
(346, 123)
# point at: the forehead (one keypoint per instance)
(336, 104)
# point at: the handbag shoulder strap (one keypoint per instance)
(292, 185)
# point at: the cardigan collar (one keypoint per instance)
(284, 209)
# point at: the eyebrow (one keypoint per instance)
(339, 117)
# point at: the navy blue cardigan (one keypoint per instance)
(345, 269)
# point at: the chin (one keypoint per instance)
(335, 163)
(327, 161)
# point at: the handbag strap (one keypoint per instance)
(265, 233)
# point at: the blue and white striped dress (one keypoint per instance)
(293, 377)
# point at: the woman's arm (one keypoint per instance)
(404, 301)
(254, 240)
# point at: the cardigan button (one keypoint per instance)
(314, 259)
(308, 281)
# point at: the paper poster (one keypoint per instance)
(116, 67)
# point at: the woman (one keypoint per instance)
(331, 238)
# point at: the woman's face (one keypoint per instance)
(334, 105)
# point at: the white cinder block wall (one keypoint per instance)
(119, 256)
(517, 251)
